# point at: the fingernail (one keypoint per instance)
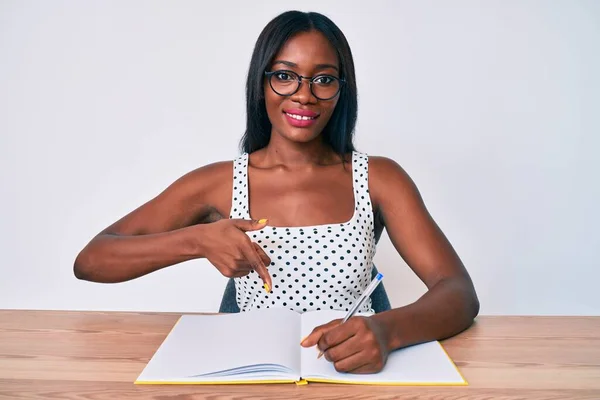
(303, 339)
(267, 288)
(320, 355)
(262, 221)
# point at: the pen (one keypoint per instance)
(360, 300)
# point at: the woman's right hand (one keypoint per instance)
(225, 244)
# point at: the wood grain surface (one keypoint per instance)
(98, 355)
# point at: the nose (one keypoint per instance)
(304, 94)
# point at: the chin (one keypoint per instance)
(301, 135)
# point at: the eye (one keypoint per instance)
(324, 80)
(283, 76)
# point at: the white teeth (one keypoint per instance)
(299, 117)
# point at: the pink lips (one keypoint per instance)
(301, 123)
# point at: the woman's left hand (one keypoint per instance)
(358, 346)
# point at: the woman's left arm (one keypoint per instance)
(449, 306)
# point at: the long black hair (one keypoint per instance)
(340, 129)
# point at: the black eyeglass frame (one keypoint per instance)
(269, 74)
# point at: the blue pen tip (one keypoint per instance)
(379, 276)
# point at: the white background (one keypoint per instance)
(492, 107)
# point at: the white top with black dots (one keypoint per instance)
(312, 267)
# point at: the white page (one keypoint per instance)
(426, 363)
(204, 344)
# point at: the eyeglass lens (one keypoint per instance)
(286, 83)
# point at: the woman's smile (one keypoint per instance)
(300, 118)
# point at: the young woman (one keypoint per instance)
(305, 209)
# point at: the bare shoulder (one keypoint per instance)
(387, 179)
(201, 194)
(206, 186)
(203, 179)
(379, 165)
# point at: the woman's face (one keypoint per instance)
(301, 117)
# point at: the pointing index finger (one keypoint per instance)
(258, 265)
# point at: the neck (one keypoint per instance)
(281, 151)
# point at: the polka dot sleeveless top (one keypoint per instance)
(319, 267)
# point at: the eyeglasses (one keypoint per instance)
(286, 83)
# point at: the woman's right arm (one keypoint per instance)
(168, 230)
(111, 257)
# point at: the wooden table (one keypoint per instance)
(98, 355)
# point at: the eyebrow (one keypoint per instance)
(318, 66)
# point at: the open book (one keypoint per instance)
(263, 346)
